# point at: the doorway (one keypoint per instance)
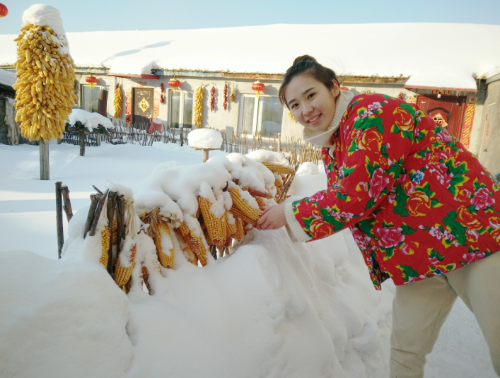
(143, 100)
(447, 111)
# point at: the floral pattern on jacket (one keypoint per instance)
(417, 202)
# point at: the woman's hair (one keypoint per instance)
(307, 65)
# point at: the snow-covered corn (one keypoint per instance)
(105, 247)
(216, 227)
(123, 274)
(162, 230)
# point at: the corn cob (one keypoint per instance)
(166, 261)
(114, 227)
(278, 183)
(240, 230)
(262, 204)
(243, 206)
(231, 224)
(145, 276)
(122, 274)
(216, 227)
(237, 213)
(279, 168)
(194, 242)
(105, 247)
(188, 253)
(256, 193)
(198, 107)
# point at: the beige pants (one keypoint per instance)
(420, 309)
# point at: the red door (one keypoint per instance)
(447, 111)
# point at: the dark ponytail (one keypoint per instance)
(306, 64)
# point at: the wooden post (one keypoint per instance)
(60, 235)
(82, 143)
(67, 203)
(205, 155)
(44, 160)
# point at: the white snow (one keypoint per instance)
(205, 138)
(89, 120)
(7, 78)
(272, 308)
(442, 79)
(45, 15)
(379, 49)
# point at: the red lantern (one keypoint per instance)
(258, 87)
(3, 10)
(174, 83)
(91, 80)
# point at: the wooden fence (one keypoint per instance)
(294, 149)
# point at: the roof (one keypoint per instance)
(462, 51)
(7, 78)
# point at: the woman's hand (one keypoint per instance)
(272, 218)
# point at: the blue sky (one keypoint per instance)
(94, 15)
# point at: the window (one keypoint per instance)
(90, 98)
(181, 109)
(264, 114)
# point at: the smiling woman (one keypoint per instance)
(419, 205)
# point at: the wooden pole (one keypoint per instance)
(44, 160)
(205, 155)
(81, 135)
(60, 235)
(67, 203)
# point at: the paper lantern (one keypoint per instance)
(258, 87)
(3, 10)
(91, 80)
(174, 83)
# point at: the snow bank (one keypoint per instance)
(205, 138)
(7, 78)
(90, 120)
(61, 319)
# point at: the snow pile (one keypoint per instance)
(61, 319)
(45, 15)
(7, 78)
(270, 157)
(90, 120)
(205, 138)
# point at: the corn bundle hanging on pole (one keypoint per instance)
(198, 106)
(44, 78)
(117, 102)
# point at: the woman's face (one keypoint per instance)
(312, 104)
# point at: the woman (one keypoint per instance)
(421, 208)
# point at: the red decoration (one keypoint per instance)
(162, 98)
(258, 87)
(91, 80)
(401, 96)
(225, 96)
(174, 83)
(212, 98)
(3, 10)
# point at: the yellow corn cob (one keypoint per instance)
(122, 274)
(105, 247)
(188, 253)
(118, 102)
(256, 194)
(165, 260)
(261, 203)
(216, 227)
(231, 227)
(243, 206)
(237, 213)
(145, 276)
(279, 168)
(194, 242)
(240, 230)
(278, 183)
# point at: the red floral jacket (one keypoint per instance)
(417, 202)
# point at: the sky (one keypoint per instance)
(98, 15)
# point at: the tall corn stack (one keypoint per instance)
(44, 82)
(117, 102)
(198, 106)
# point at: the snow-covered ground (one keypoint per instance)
(272, 309)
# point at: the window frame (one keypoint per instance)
(82, 86)
(255, 122)
(181, 106)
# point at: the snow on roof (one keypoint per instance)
(205, 138)
(384, 50)
(442, 79)
(89, 120)
(7, 78)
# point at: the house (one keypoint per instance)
(443, 68)
(9, 134)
